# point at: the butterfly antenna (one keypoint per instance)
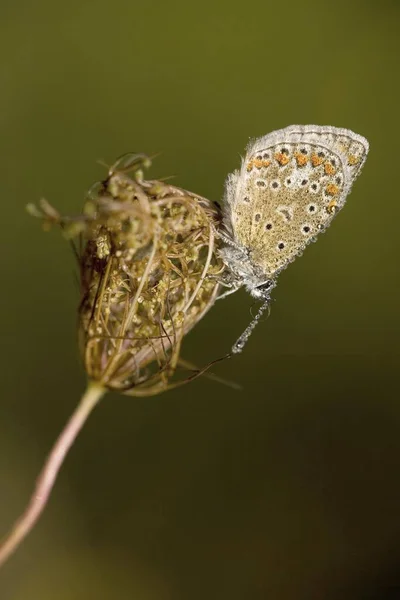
(242, 340)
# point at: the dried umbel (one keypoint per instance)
(149, 272)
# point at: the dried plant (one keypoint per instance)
(149, 271)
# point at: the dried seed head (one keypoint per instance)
(149, 271)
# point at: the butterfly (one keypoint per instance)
(291, 185)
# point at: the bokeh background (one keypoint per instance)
(290, 488)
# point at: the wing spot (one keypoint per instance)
(332, 190)
(329, 169)
(332, 207)
(300, 159)
(282, 158)
(288, 182)
(285, 212)
(316, 160)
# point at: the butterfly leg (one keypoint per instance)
(227, 280)
(233, 288)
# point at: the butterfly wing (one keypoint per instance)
(291, 185)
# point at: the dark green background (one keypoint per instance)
(290, 489)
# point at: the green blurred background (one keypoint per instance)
(289, 489)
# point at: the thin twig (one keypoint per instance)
(205, 270)
(47, 477)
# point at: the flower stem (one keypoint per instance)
(47, 477)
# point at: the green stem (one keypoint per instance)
(48, 475)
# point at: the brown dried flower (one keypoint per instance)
(149, 271)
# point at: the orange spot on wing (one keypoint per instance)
(352, 160)
(258, 163)
(329, 168)
(266, 163)
(282, 159)
(331, 208)
(301, 159)
(250, 165)
(332, 189)
(316, 160)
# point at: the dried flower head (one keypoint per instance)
(149, 271)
